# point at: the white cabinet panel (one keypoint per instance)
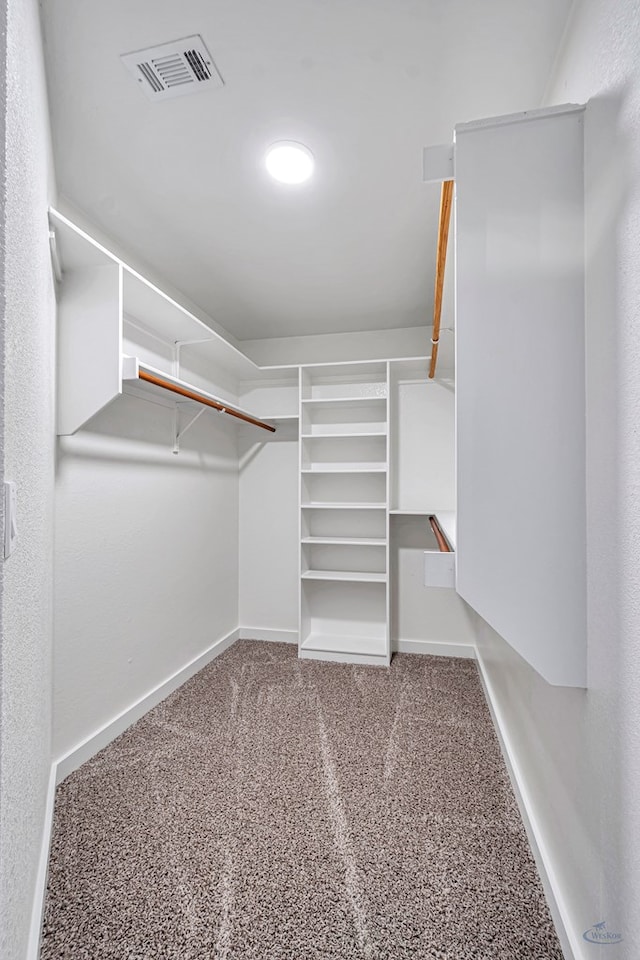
(520, 390)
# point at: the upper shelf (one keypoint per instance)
(108, 310)
(104, 303)
(143, 301)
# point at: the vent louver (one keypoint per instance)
(173, 69)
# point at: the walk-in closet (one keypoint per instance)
(312, 628)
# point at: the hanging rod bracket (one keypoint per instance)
(178, 432)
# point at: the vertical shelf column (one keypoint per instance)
(344, 503)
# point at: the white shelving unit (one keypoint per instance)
(344, 555)
(367, 465)
(119, 333)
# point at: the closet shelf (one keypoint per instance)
(348, 575)
(343, 436)
(356, 401)
(151, 380)
(345, 468)
(279, 417)
(343, 506)
(348, 541)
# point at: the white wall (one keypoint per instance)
(580, 751)
(422, 444)
(29, 322)
(269, 573)
(146, 558)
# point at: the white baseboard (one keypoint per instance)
(266, 633)
(113, 728)
(435, 648)
(37, 908)
(570, 941)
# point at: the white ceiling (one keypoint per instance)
(365, 84)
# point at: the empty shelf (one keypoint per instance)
(343, 506)
(340, 436)
(345, 468)
(348, 541)
(348, 575)
(356, 401)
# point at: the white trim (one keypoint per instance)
(37, 908)
(522, 117)
(269, 634)
(435, 648)
(75, 757)
(569, 939)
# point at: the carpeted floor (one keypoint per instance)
(277, 808)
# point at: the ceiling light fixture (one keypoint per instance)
(289, 162)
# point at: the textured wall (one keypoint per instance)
(581, 750)
(28, 460)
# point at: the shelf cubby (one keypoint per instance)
(358, 523)
(350, 558)
(344, 454)
(344, 620)
(344, 418)
(352, 488)
(336, 382)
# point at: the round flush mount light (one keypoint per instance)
(289, 162)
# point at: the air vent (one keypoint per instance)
(173, 69)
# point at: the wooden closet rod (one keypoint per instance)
(191, 395)
(439, 535)
(446, 200)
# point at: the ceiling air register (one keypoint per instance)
(173, 69)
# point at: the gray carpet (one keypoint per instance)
(277, 808)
